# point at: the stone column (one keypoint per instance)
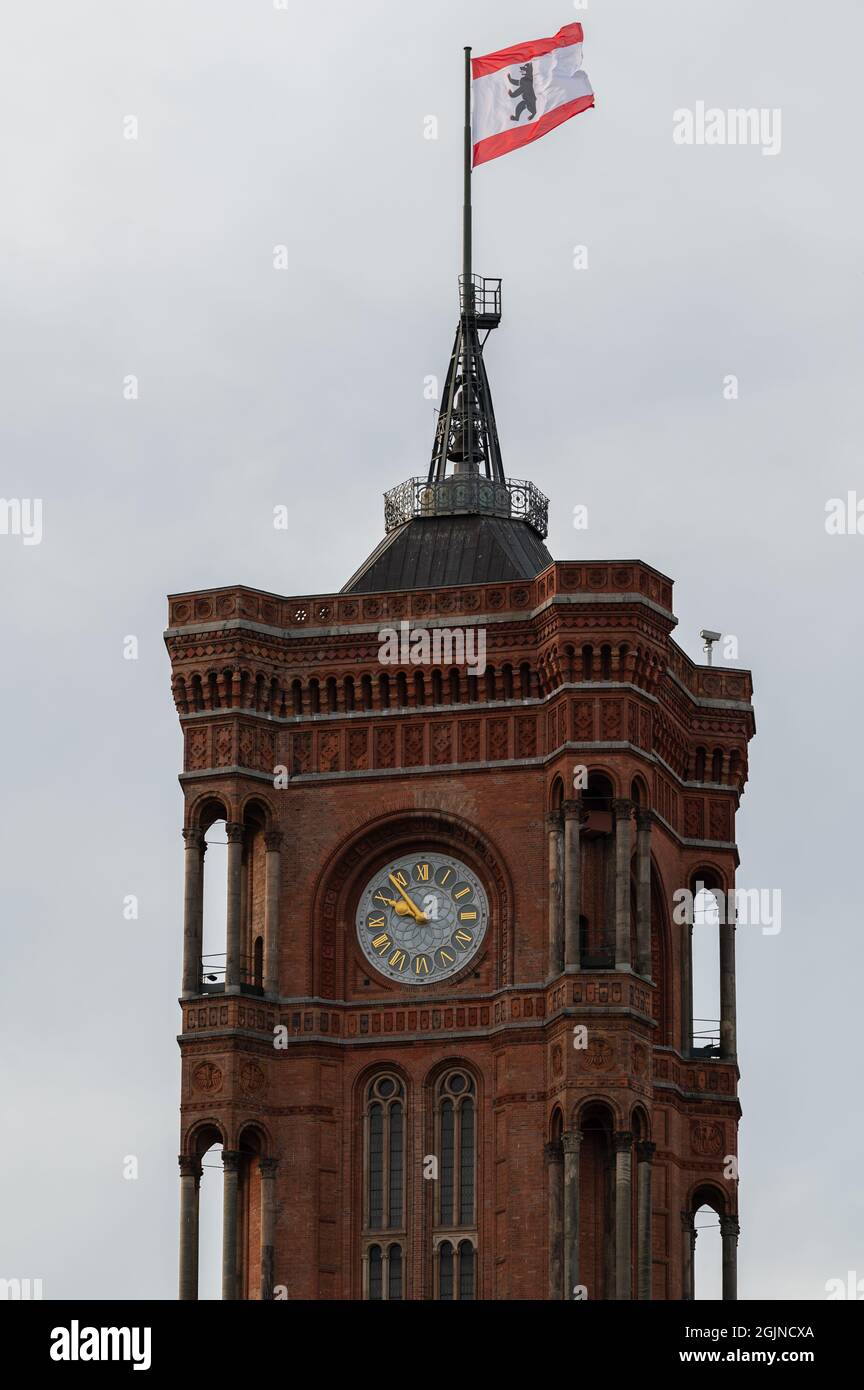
(644, 1158)
(193, 912)
(267, 1168)
(234, 913)
(622, 1144)
(190, 1173)
(688, 1253)
(644, 818)
(230, 1175)
(728, 1025)
(570, 1143)
(574, 819)
(554, 1155)
(729, 1231)
(272, 883)
(556, 934)
(622, 810)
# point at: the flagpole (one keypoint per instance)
(466, 224)
(467, 287)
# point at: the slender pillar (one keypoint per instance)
(556, 933)
(267, 1168)
(230, 1175)
(196, 1237)
(728, 1025)
(234, 913)
(644, 1159)
(622, 1144)
(644, 817)
(554, 1155)
(574, 819)
(190, 1173)
(688, 1254)
(272, 882)
(193, 912)
(623, 822)
(729, 1231)
(570, 1143)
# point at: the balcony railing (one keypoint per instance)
(470, 495)
(213, 969)
(706, 1039)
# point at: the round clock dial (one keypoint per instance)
(422, 918)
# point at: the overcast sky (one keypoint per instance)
(305, 386)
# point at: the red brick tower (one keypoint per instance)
(450, 1053)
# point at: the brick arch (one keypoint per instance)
(592, 1101)
(211, 1129)
(255, 801)
(709, 1194)
(610, 773)
(208, 807)
(386, 837)
(712, 875)
(640, 1121)
(261, 1135)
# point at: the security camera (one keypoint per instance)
(708, 636)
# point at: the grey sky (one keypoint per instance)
(305, 387)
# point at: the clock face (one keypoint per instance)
(422, 918)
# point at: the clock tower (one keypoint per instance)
(446, 1043)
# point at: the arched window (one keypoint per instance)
(490, 682)
(606, 662)
(366, 691)
(419, 688)
(349, 692)
(437, 688)
(525, 681)
(587, 662)
(401, 689)
(455, 691)
(508, 681)
(455, 1209)
(332, 699)
(314, 697)
(717, 765)
(384, 1187)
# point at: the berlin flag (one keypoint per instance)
(521, 93)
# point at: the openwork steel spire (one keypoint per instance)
(466, 437)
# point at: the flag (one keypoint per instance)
(521, 93)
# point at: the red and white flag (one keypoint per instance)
(521, 93)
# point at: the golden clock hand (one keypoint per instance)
(413, 908)
(401, 909)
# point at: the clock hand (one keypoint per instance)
(401, 909)
(412, 907)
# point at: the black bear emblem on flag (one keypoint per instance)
(523, 88)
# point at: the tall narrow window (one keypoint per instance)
(384, 1188)
(455, 1211)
